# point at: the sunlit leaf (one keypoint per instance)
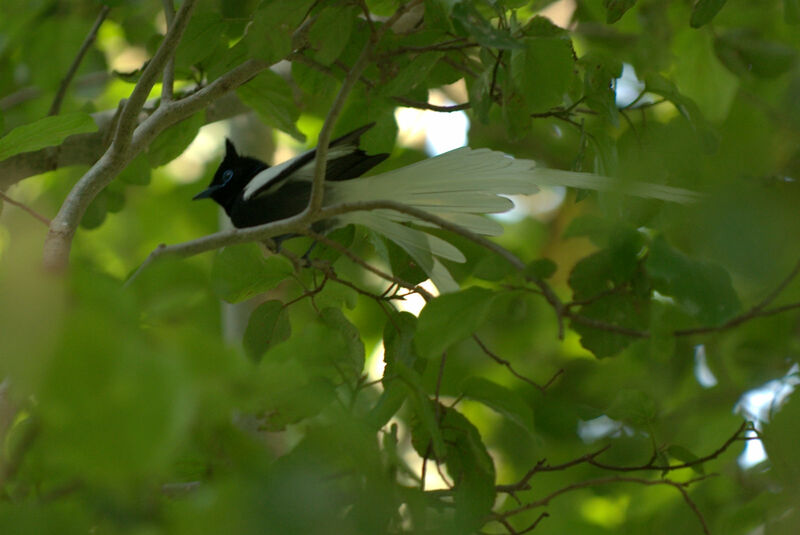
(44, 133)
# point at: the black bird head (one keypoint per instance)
(231, 177)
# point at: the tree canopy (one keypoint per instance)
(590, 372)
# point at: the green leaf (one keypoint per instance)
(655, 83)
(780, 437)
(328, 349)
(411, 75)
(744, 52)
(703, 290)
(241, 271)
(271, 97)
(616, 8)
(450, 318)
(633, 407)
(600, 72)
(543, 268)
(383, 8)
(542, 71)
(500, 399)
(173, 141)
(609, 267)
(471, 468)
(398, 341)
(704, 11)
(137, 172)
(468, 20)
(426, 436)
(685, 456)
(331, 31)
(269, 37)
(268, 325)
(45, 133)
(205, 31)
(791, 11)
(349, 362)
(620, 311)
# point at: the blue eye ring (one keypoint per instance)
(227, 176)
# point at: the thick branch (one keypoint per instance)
(86, 149)
(150, 74)
(114, 160)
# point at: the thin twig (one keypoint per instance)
(433, 107)
(681, 487)
(87, 42)
(756, 311)
(508, 365)
(28, 209)
(352, 256)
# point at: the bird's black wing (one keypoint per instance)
(345, 161)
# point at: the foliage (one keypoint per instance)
(136, 398)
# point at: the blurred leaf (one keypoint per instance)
(703, 290)
(398, 341)
(500, 399)
(608, 268)
(137, 172)
(240, 271)
(269, 37)
(616, 8)
(204, 31)
(471, 468)
(350, 361)
(791, 11)
(411, 75)
(450, 318)
(614, 313)
(468, 20)
(704, 11)
(778, 436)
(383, 8)
(633, 407)
(542, 71)
(655, 83)
(44, 133)
(426, 435)
(600, 74)
(685, 456)
(543, 268)
(268, 325)
(744, 52)
(271, 97)
(173, 141)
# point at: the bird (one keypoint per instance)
(460, 186)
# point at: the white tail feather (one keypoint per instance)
(460, 186)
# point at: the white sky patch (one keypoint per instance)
(601, 427)
(758, 405)
(439, 132)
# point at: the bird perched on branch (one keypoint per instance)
(460, 186)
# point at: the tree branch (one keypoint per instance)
(62, 88)
(680, 487)
(86, 149)
(62, 229)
